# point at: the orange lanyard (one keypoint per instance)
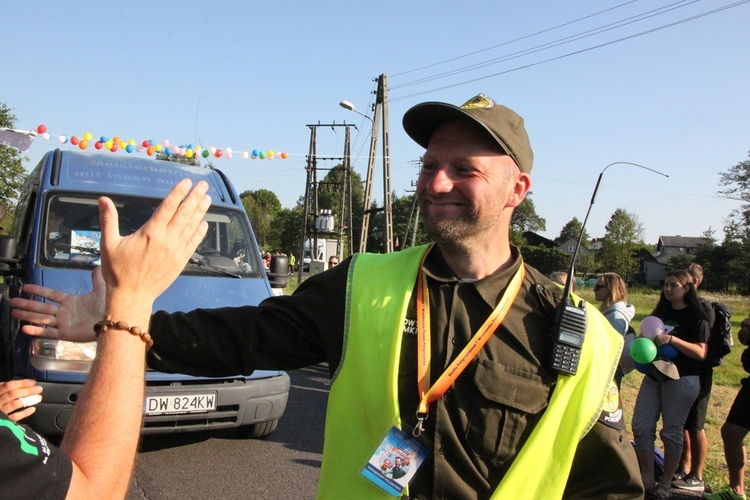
(428, 394)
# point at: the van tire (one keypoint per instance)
(259, 430)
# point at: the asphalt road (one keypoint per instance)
(220, 464)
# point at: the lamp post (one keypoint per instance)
(348, 105)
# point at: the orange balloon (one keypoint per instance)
(150, 151)
(83, 144)
(284, 155)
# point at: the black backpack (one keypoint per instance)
(720, 342)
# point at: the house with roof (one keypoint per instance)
(669, 246)
(570, 247)
(654, 268)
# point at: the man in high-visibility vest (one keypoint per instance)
(441, 355)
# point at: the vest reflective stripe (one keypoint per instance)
(363, 402)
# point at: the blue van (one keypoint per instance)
(54, 242)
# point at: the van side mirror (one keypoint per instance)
(279, 271)
(8, 255)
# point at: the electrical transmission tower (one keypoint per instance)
(312, 213)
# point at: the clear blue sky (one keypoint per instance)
(252, 75)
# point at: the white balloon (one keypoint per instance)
(651, 326)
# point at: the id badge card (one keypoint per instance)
(395, 461)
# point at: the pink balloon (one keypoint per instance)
(651, 326)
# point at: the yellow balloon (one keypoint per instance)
(87, 136)
(131, 141)
(270, 153)
(108, 144)
(189, 153)
(157, 147)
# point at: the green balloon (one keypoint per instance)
(643, 350)
(205, 153)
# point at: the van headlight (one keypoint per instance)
(61, 355)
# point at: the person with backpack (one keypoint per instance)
(735, 428)
(689, 475)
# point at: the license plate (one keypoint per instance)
(179, 403)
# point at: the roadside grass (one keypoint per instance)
(726, 378)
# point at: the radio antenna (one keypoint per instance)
(569, 282)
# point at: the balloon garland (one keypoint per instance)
(151, 147)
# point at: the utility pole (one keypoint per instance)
(381, 111)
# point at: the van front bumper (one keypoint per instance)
(239, 402)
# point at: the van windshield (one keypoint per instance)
(71, 226)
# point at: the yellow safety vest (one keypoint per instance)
(363, 403)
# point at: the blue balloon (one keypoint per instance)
(667, 351)
(129, 148)
(644, 368)
(168, 151)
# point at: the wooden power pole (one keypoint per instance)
(381, 114)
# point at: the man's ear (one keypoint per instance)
(521, 188)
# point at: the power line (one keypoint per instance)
(576, 52)
(511, 41)
(555, 43)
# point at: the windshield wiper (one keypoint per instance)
(215, 269)
(83, 249)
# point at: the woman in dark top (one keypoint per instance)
(687, 331)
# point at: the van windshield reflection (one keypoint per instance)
(73, 236)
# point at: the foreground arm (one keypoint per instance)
(103, 433)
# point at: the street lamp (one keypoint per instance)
(348, 105)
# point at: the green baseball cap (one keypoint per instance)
(503, 125)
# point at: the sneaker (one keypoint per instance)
(689, 483)
(679, 474)
(725, 494)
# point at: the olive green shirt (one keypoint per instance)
(477, 427)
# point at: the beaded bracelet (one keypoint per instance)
(107, 323)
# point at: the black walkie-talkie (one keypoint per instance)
(569, 328)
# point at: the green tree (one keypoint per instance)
(679, 261)
(545, 260)
(404, 215)
(286, 230)
(12, 174)
(737, 182)
(731, 275)
(571, 230)
(524, 219)
(622, 239)
(262, 206)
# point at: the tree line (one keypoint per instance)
(279, 229)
